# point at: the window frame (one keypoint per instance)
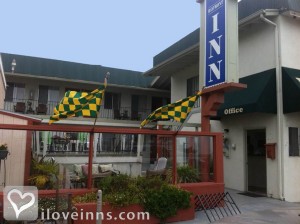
(294, 140)
(192, 87)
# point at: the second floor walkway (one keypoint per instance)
(27, 106)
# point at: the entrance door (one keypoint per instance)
(256, 161)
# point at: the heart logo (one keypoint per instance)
(22, 196)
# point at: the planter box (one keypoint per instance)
(3, 154)
(135, 213)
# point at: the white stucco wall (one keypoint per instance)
(290, 53)
(256, 48)
(235, 165)
(15, 162)
(179, 82)
(289, 38)
(257, 54)
(291, 164)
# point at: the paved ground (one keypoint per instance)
(256, 210)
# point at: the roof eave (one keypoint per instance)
(154, 71)
(86, 82)
(256, 16)
(20, 116)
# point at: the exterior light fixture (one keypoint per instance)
(13, 65)
(107, 75)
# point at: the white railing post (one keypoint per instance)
(99, 207)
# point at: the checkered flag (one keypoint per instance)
(79, 104)
(177, 111)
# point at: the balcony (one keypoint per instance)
(27, 106)
(77, 144)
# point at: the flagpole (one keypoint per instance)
(197, 92)
(105, 84)
(91, 145)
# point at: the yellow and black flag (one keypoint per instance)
(76, 104)
(177, 111)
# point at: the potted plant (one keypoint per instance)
(3, 151)
(44, 173)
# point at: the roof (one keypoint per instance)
(181, 45)
(161, 62)
(180, 55)
(249, 7)
(75, 71)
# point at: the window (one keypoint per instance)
(15, 91)
(111, 101)
(293, 141)
(193, 88)
(48, 94)
(43, 94)
(48, 97)
(138, 103)
(9, 93)
(159, 102)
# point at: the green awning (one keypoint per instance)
(291, 90)
(258, 97)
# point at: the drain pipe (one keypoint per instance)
(279, 106)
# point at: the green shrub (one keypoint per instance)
(146, 183)
(158, 197)
(44, 173)
(166, 201)
(187, 174)
(49, 203)
(85, 198)
(120, 190)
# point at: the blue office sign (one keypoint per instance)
(215, 42)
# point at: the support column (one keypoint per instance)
(211, 99)
(90, 164)
(190, 151)
(27, 155)
(158, 143)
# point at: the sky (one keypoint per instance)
(113, 33)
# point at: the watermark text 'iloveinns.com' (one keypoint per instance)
(84, 215)
(21, 203)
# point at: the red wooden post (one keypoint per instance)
(218, 159)
(90, 164)
(27, 155)
(190, 150)
(158, 143)
(211, 99)
(174, 164)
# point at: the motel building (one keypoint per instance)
(31, 87)
(261, 123)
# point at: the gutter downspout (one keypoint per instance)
(2, 73)
(279, 107)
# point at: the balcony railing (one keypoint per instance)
(72, 143)
(27, 106)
